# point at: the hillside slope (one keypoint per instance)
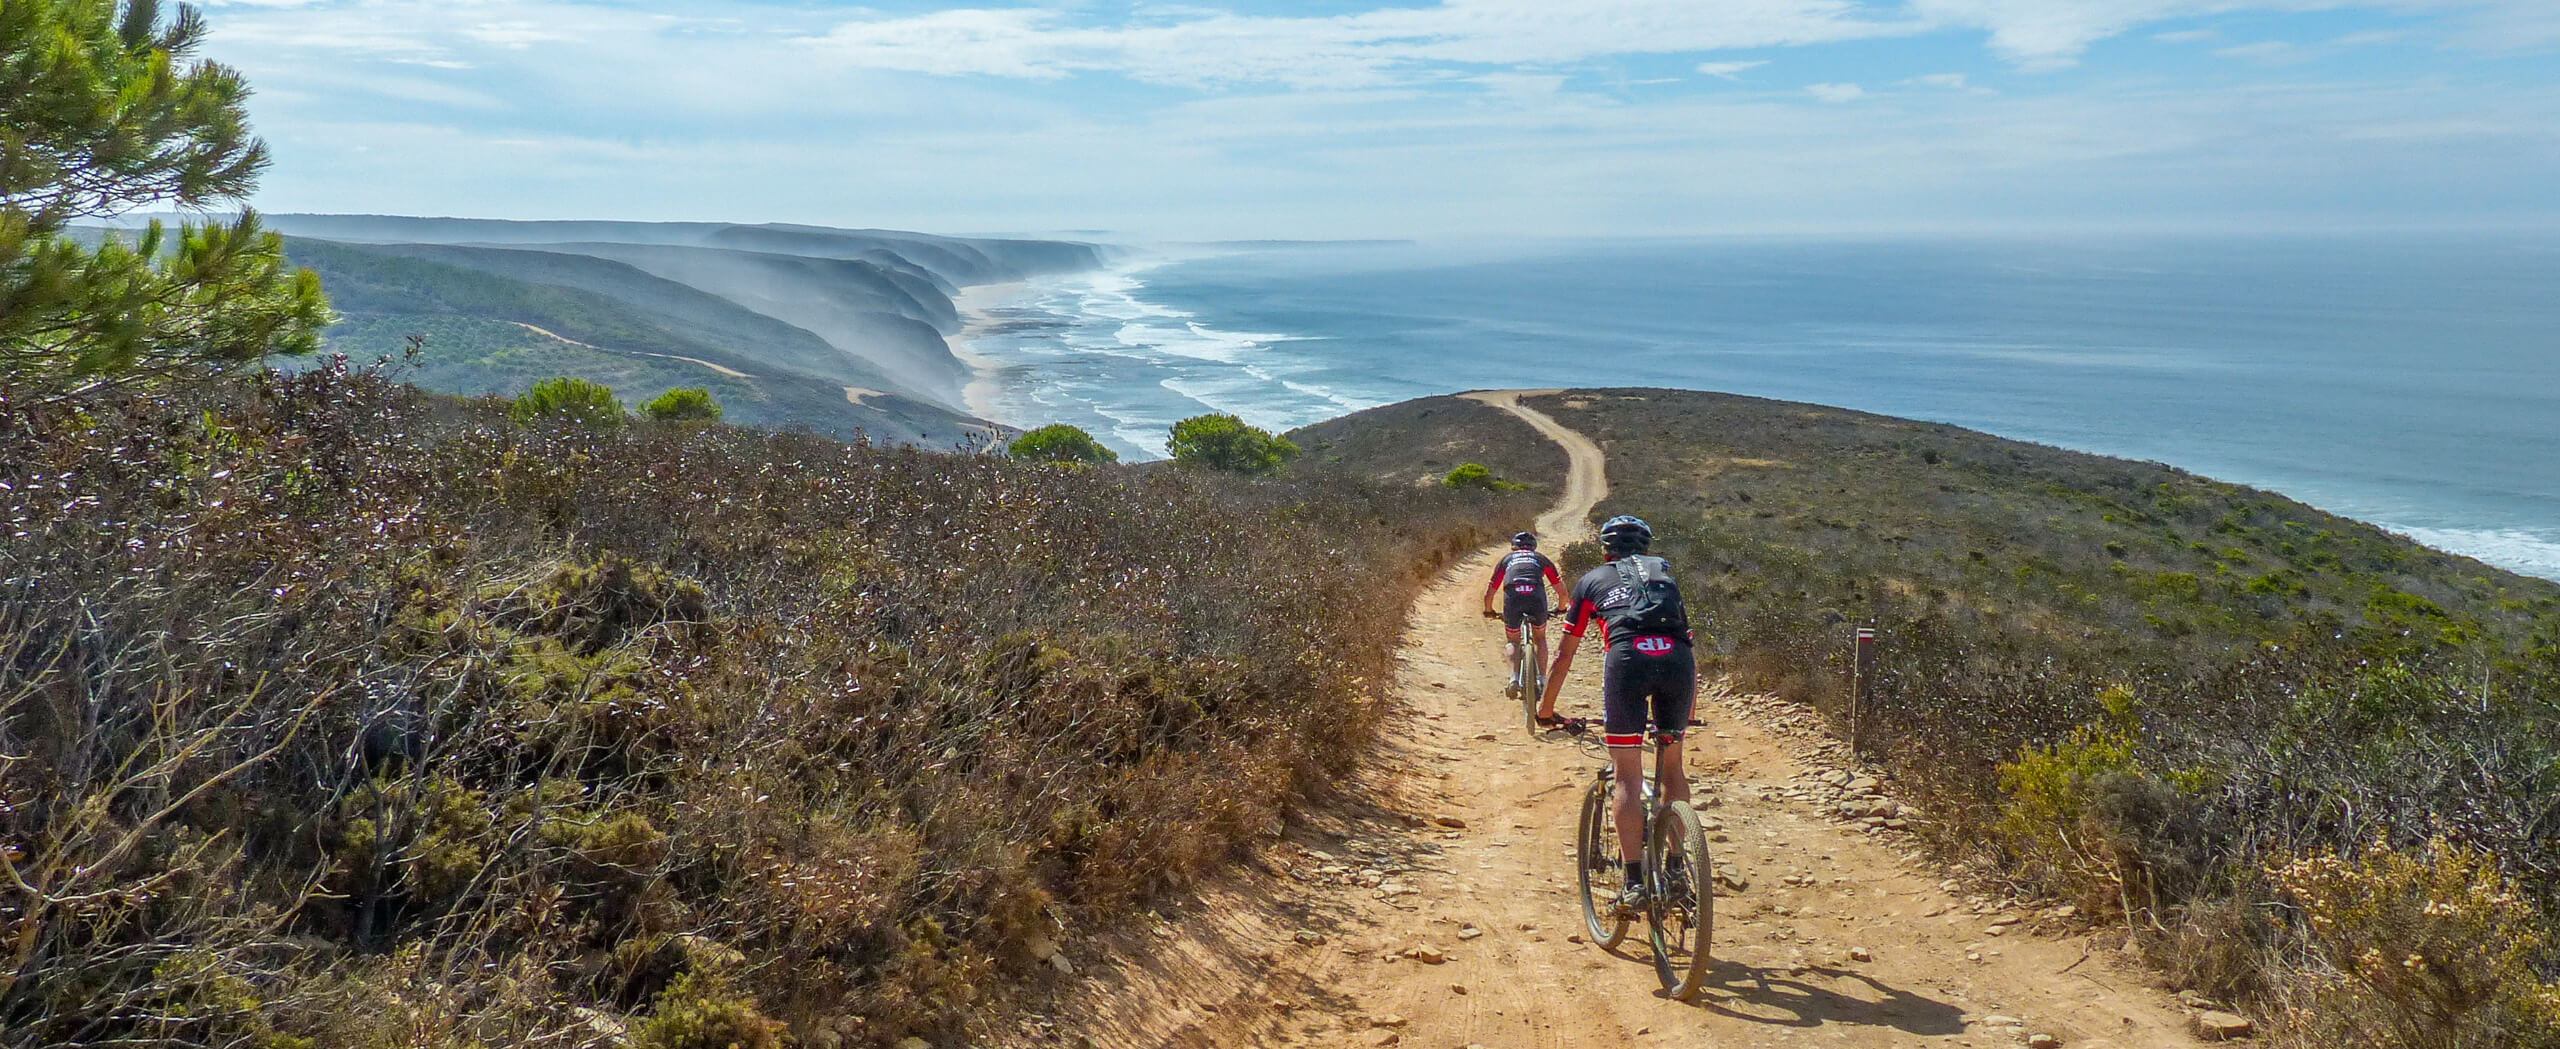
(498, 320)
(869, 310)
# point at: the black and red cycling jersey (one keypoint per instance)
(1604, 589)
(1651, 678)
(1524, 576)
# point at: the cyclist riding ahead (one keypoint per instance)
(1523, 577)
(1651, 675)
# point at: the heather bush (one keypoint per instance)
(324, 699)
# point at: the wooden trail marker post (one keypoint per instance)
(1862, 684)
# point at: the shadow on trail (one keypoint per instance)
(1756, 995)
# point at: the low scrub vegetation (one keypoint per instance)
(1432, 440)
(333, 713)
(2151, 694)
(1477, 475)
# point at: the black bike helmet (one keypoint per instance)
(1524, 541)
(1624, 532)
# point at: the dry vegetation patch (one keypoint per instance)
(333, 713)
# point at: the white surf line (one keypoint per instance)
(730, 372)
(857, 394)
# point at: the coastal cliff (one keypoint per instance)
(841, 331)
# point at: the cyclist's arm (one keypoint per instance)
(1564, 654)
(1495, 585)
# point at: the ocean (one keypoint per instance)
(2411, 381)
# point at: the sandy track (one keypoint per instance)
(1586, 475)
(1842, 936)
(556, 336)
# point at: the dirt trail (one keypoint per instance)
(722, 369)
(1586, 475)
(1842, 934)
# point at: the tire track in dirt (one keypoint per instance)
(1460, 846)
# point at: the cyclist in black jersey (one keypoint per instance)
(1523, 578)
(1651, 675)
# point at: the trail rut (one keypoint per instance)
(1844, 935)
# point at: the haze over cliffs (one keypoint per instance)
(837, 330)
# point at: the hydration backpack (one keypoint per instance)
(1651, 603)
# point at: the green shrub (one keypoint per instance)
(701, 1012)
(683, 404)
(1060, 443)
(1225, 442)
(568, 399)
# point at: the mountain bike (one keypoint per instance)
(1529, 679)
(1679, 910)
(1528, 675)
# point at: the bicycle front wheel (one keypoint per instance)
(1681, 912)
(1595, 853)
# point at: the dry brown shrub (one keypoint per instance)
(365, 700)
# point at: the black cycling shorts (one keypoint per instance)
(1518, 607)
(1637, 689)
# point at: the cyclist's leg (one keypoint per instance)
(1674, 695)
(1511, 639)
(1538, 632)
(1622, 729)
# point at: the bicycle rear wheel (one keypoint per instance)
(1681, 912)
(1595, 853)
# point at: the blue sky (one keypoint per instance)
(1339, 118)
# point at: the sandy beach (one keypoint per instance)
(977, 305)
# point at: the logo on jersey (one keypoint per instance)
(1524, 588)
(1656, 645)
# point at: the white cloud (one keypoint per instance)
(2263, 50)
(1483, 115)
(1370, 46)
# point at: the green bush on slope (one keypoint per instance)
(1060, 443)
(1225, 442)
(568, 399)
(471, 727)
(683, 404)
